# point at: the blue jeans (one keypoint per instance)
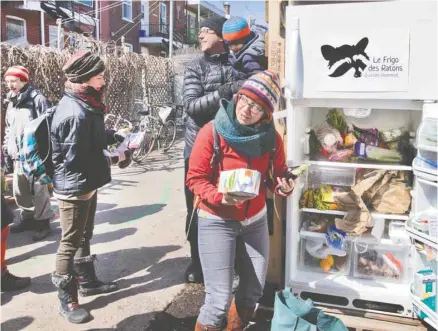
(219, 242)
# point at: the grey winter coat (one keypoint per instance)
(207, 80)
(27, 105)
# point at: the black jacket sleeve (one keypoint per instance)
(196, 103)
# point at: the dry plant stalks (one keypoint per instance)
(128, 75)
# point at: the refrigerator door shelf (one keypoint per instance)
(372, 290)
(422, 237)
(419, 306)
(361, 165)
(342, 213)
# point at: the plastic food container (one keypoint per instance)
(332, 176)
(332, 264)
(382, 262)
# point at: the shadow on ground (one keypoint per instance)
(154, 274)
(17, 324)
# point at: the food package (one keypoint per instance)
(134, 140)
(391, 135)
(425, 283)
(341, 155)
(373, 263)
(240, 182)
(367, 136)
(329, 137)
(370, 152)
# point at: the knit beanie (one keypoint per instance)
(264, 89)
(82, 66)
(215, 23)
(236, 28)
(19, 72)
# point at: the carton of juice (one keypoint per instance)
(240, 182)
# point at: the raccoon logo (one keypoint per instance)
(342, 59)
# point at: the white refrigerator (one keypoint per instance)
(377, 63)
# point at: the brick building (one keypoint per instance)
(142, 25)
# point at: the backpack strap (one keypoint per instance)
(270, 172)
(33, 95)
(217, 153)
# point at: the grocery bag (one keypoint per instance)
(292, 313)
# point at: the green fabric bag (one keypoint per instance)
(294, 314)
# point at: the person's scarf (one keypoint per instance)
(251, 141)
(88, 94)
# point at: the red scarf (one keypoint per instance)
(88, 94)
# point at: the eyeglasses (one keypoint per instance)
(255, 109)
(206, 31)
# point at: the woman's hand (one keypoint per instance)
(231, 200)
(286, 186)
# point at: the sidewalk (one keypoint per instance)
(139, 240)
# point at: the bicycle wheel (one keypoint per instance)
(146, 146)
(167, 135)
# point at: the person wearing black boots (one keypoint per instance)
(207, 80)
(9, 282)
(82, 166)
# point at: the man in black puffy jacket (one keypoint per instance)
(207, 80)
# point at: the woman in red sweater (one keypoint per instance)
(231, 226)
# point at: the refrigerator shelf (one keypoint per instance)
(397, 167)
(432, 318)
(422, 237)
(365, 239)
(342, 213)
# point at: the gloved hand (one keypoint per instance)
(225, 91)
(126, 160)
(110, 137)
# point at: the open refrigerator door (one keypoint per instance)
(347, 243)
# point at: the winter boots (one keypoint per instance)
(68, 298)
(42, 230)
(200, 327)
(87, 279)
(13, 283)
(238, 318)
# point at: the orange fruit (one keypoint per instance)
(325, 265)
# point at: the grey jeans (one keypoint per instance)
(34, 205)
(219, 242)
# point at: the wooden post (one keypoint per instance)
(275, 52)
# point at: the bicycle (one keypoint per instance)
(154, 130)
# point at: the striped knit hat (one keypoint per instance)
(263, 88)
(19, 72)
(234, 29)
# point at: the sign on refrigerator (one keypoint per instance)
(360, 60)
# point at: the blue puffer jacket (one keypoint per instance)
(78, 139)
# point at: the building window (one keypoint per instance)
(127, 10)
(53, 37)
(88, 3)
(129, 47)
(163, 17)
(16, 30)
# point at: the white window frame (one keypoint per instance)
(129, 4)
(24, 38)
(129, 46)
(163, 24)
(55, 28)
